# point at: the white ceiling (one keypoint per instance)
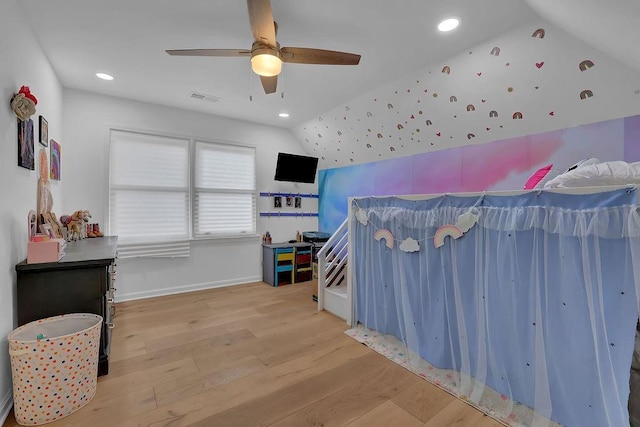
(395, 38)
(128, 38)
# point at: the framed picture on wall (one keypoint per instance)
(26, 156)
(298, 202)
(277, 201)
(44, 132)
(54, 163)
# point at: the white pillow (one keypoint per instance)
(584, 162)
(606, 173)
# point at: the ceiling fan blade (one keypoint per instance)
(303, 55)
(261, 19)
(209, 52)
(269, 84)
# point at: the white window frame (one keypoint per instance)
(182, 247)
(251, 233)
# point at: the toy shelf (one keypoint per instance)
(286, 263)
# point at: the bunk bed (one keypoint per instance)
(524, 304)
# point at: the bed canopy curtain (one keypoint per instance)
(529, 315)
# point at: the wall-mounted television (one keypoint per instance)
(296, 168)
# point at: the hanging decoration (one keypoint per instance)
(24, 103)
(386, 235)
(444, 231)
(467, 220)
(463, 224)
(362, 216)
(409, 245)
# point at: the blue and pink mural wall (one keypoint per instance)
(499, 165)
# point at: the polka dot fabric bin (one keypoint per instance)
(54, 366)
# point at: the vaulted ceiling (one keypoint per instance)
(128, 39)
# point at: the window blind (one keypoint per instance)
(149, 194)
(157, 205)
(225, 199)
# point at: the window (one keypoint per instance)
(225, 196)
(151, 191)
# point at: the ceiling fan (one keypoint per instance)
(266, 54)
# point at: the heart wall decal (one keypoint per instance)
(539, 64)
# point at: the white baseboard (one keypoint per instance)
(5, 406)
(186, 288)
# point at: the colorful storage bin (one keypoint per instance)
(54, 366)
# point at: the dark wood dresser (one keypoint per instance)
(83, 281)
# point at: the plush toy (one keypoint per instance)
(76, 224)
(83, 219)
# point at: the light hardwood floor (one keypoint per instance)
(254, 355)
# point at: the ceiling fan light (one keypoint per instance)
(266, 64)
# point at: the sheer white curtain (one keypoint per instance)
(529, 315)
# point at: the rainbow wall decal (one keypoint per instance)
(444, 231)
(493, 113)
(453, 99)
(446, 69)
(586, 94)
(470, 107)
(539, 33)
(495, 51)
(585, 65)
(386, 235)
(517, 115)
(428, 123)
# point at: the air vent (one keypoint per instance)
(203, 97)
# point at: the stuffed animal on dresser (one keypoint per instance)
(76, 224)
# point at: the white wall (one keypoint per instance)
(538, 77)
(84, 171)
(23, 63)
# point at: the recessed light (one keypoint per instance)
(448, 24)
(104, 76)
(284, 115)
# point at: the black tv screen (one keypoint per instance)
(296, 168)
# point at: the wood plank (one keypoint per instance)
(423, 400)
(162, 357)
(123, 334)
(146, 378)
(274, 406)
(217, 335)
(385, 415)
(268, 382)
(183, 387)
(126, 350)
(383, 381)
(460, 414)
